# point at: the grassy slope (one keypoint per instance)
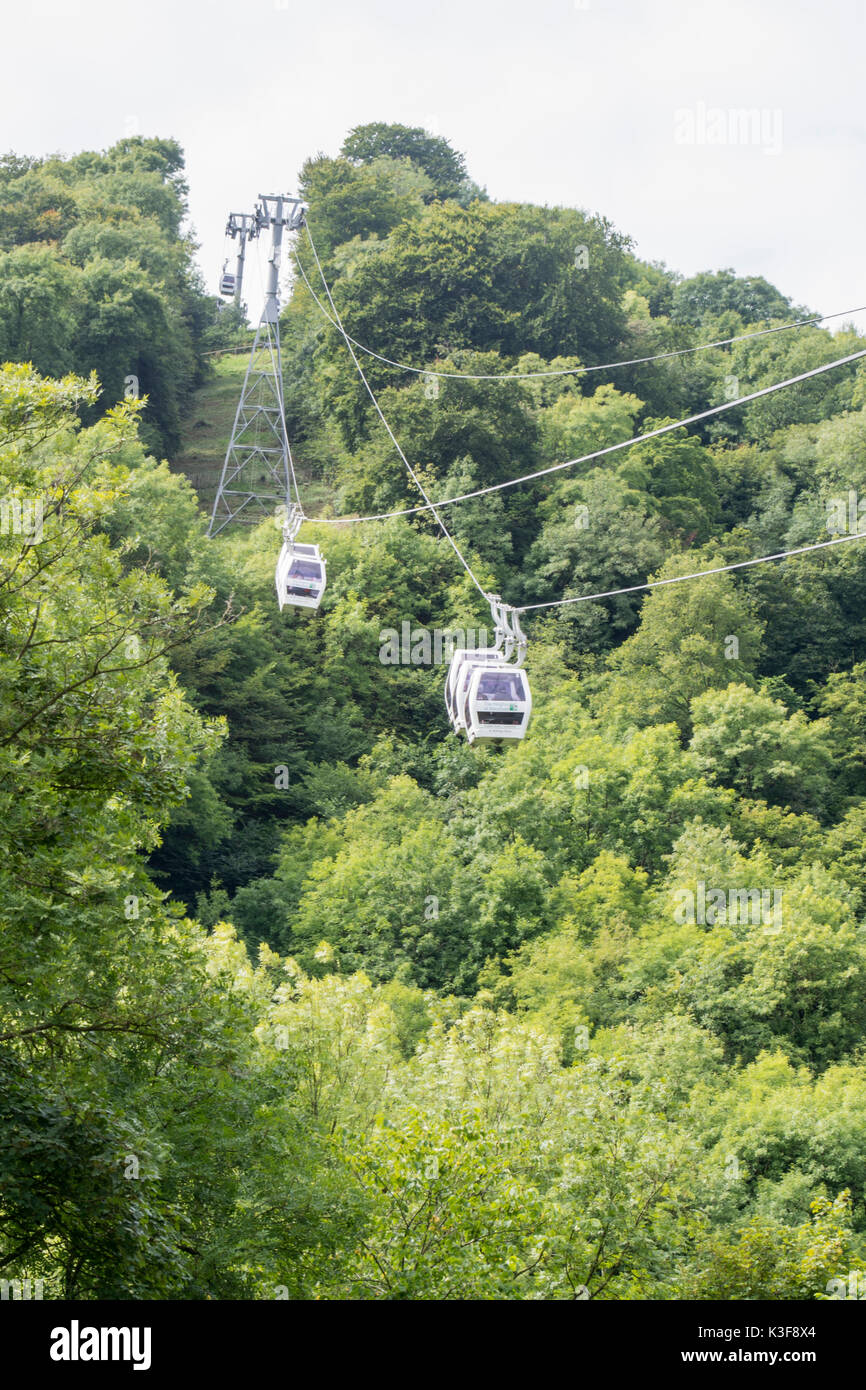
(206, 429)
(205, 435)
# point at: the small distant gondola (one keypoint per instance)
(228, 282)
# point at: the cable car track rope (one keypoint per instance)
(571, 463)
(598, 453)
(431, 506)
(556, 371)
(698, 574)
(277, 364)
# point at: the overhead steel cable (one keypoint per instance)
(564, 371)
(651, 434)
(277, 368)
(431, 506)
(697, 574)
(600, 453)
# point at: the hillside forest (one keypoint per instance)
(303, 997)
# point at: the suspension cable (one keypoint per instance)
(698, 574)
(430, 506)
(276, 361)
(568, 371)
(664, 429)
(600, 453)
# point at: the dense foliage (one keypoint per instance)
(302, 997)
(96, 274)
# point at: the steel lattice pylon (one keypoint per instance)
(258, 473)
(257, 464)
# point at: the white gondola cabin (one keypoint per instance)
(463, 662)
(300, 575)
(487, 694)
(497, 703)
(228, 282)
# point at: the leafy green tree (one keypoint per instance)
(574, 424)
(40, 308)
(442, 164)
(813, 607)
(490, 276)
(141, 1150)
(390, 898)
(97, 275)
(759, 362)
(349, 203)
(693, 637)
(723, 291)
(598, 534)
(769, 1260)
(676, 473)
(769, 960)
(843, 701)
(571, 977)
(748, 741)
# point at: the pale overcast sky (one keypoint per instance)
(615, 106)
